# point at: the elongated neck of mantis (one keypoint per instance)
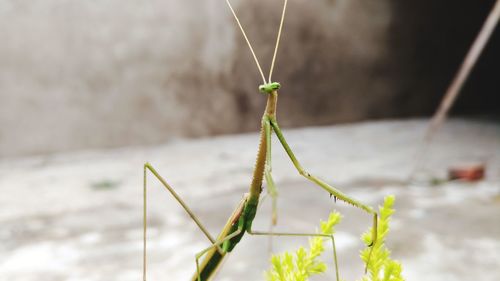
(260, 163)
(272, 100)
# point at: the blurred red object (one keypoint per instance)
(467, 172)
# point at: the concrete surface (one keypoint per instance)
(77, 216)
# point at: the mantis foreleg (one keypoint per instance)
(330, 189)
(271, 187)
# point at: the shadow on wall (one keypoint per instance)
(429, 40)
(76, 74)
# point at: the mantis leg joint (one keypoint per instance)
(303, 173)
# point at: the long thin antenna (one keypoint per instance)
(457, 84)
(248, 42)
(277, 41)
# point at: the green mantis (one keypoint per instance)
(240, 221)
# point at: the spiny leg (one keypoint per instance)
(330, 189)
(335, 262)
(149, 167)
(271, 187)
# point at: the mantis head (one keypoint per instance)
(269, 87)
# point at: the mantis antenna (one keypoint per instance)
(250, 45)
(248, 42)
(277, 41)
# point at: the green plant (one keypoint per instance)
(381, 267)
(305, 263)
(299, 267)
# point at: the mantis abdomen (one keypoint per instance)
(216, 255)
(210, 265)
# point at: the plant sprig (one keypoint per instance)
(302, 264)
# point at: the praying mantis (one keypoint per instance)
(240, 221)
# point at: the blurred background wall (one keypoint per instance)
(88, 74)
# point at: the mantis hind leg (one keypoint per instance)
(330, 189)
(149, 167)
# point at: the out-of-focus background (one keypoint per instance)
(89, 91)
(80, 74)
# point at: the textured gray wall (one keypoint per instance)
(80, 74)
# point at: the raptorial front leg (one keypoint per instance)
(271, 187)
(330, 189)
